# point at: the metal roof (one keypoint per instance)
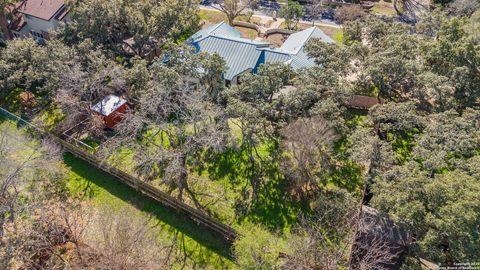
(108, 105)
(219, 29)
(297, 41)
(241, 54)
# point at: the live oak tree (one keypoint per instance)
(174, 120)
(440, 211)
(148, 23)
(25, 65)
(293, 12)
(256, 105)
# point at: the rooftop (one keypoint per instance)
(43, 9)
(242, 55)
(108, 105)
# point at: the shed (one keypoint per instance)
(112, 109)
(379, 243)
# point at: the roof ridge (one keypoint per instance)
(216, 27)
(241, 39)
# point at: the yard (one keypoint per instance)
(200, 248)
(383, 7)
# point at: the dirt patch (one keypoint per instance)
(247, 32)
(276, 39)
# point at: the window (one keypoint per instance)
(28, 16)
(36, 34)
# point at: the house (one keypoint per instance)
(246, 56)
(112, 109)
(36, 18)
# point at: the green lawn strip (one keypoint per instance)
(206, 249)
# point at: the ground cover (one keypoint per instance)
(200, 248)
(383, 7)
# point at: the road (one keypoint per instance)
(265, 14)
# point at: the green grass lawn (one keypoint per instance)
(203, 248)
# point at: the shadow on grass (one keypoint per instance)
(179, 223)
(272, 207)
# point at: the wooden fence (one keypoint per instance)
(162, 197)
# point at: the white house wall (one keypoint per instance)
(39, 25)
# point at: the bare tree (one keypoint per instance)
(82, 86)
(315, 8)
(324, 239)
(125, 240)
(308, 144)
(233, 8)
(23, 166)
(378, 244)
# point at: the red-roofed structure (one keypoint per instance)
(36, 18)
(42, 9)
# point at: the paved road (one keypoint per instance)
(262, 14)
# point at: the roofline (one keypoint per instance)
(240, 40)
(43, 18)
(305, 41)
(276, 50)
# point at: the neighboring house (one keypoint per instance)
(36, 18)
(112, 109)
(245, 55)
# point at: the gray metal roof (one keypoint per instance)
(241, 54)
(297, 41)
(219, 29)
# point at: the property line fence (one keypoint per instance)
(162, 197)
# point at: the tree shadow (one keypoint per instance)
(272, 206)
(174, 219)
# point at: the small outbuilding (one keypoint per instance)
(112, 109)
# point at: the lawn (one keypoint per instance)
(383, 8)
(202, 248)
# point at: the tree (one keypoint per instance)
(28, 66)
(125, 240)
(349, 13)
(37, 167)
(83, 85)
(315, 8)
(149, 24)
(308, 146)
(256, 106)
(233, 8)
(464, 7)
(438, 210)
(292, 12)
(173, 122)
(448, 137)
